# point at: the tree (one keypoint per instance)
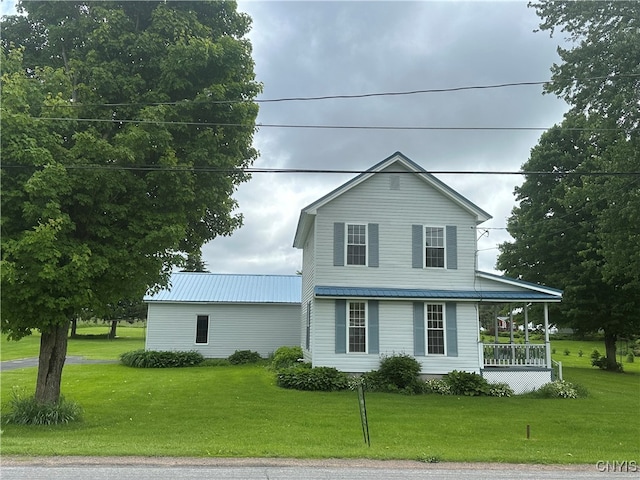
(599, 77)
(126, 127)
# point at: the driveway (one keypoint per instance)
(33, 362)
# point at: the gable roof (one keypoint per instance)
(308, 213)
(192, 287)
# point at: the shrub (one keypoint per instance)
(500, 390)
(580, 353)
(399, 373)
(241, 357)
(439, 387)
(160, 359)
(602, 364)
(285, 357)
(26, 411)
(630, 357)
(301, 377)
(464, 383)
(559, 389)
(567, 352)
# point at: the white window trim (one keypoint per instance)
(195, 333)
(424, 246)
(366, 327)
(426, 329)
(366, 244)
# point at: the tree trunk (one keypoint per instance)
(112, 332)
(53, 352)
(610, 349)
(74, 327)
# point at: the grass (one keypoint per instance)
(91, 346)
(239, 412)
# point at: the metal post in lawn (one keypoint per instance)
(363, 414)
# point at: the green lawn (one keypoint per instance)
(239, 412)
(127, 338)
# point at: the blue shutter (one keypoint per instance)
(338, 244)
(374, 327)
(418, 329)
(372, 230)
(341, 326)
(417, 246)
(452, 329)
(452, 247)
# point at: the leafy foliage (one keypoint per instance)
(437, 386)
(285, 357)
(101, 203)
(500, 390)
(302, 377)
(241, 357)
(25, 410)
(602, 363)
(465, 383)
(161, 359)
(559, 389)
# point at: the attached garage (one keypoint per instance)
(217, 314)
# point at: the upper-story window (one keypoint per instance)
(356, 244)
(434, 247)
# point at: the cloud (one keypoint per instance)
(338, 48)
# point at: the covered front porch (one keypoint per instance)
(520, 361)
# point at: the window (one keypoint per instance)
(356, 244)
(357, 327)
(202, 329)
(434, 247)
(435, 329)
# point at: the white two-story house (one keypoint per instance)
(389, 267)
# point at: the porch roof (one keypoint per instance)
(417, 294)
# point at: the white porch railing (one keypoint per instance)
(514, 355)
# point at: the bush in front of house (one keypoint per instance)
(303, 377)
(397, 373)
(285, 357)
(560, 389)
(242, 357)
(437, 386)
(161, 359)
(468, 384)
(500, 390)
(25, 410)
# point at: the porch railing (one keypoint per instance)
(514, 355)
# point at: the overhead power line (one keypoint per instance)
(345, 96)
(251, 170)
(318, 126)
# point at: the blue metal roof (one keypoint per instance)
(223, 288)
(412, 293)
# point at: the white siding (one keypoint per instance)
(257, 327)
(396, 337)
(395, 211)
(308, 284)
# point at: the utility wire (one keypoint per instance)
(346, 97)
(335, 127)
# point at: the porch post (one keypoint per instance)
(547, 343)
(526, 333)
(511, 344)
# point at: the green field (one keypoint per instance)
(240, 412)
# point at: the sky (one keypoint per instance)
(304, 49)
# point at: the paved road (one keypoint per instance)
(282, 469)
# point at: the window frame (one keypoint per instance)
(349, 327)
(425, 247)
(428, 329)
(347, 244)
(198, 317)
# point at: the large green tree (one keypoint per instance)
(125, 130)
(573, 229)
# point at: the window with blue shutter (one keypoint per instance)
(341, 326)
(373, 324)
(434, 247)
(418, 329)
(452, 329)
